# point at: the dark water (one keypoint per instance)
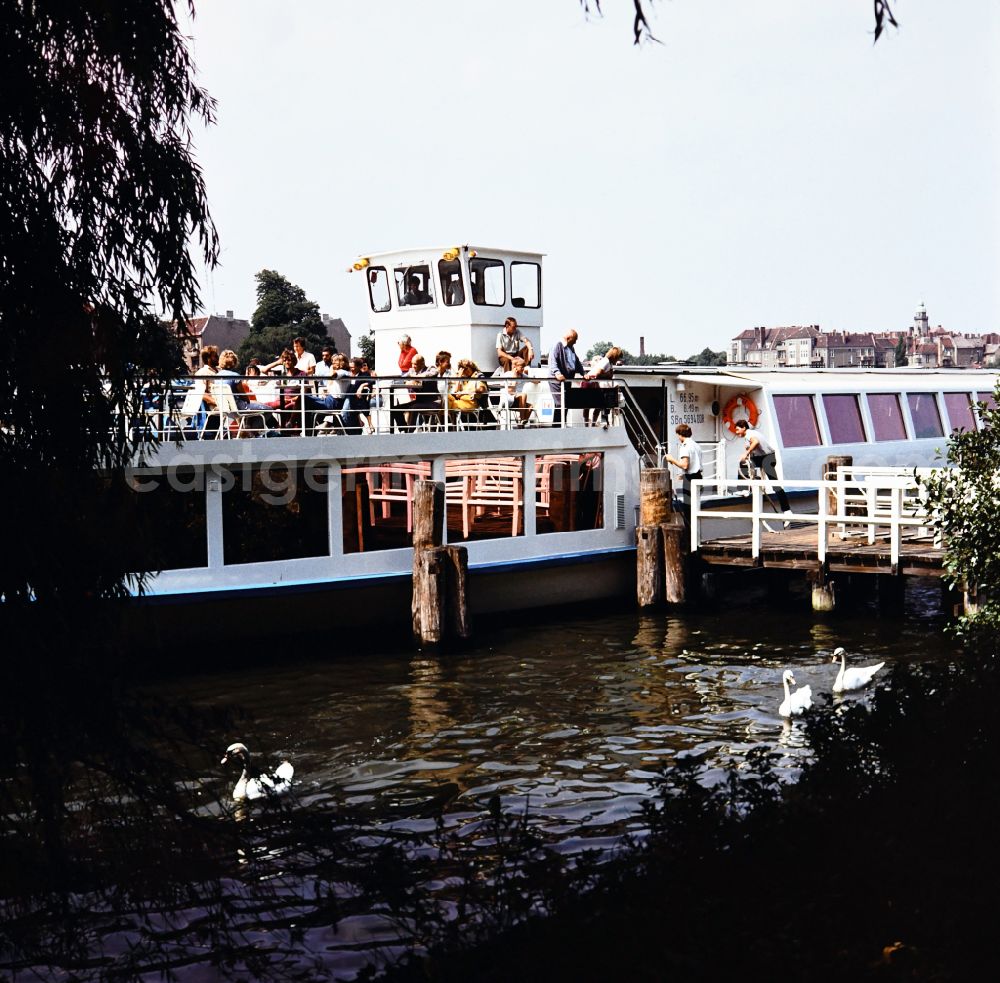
(570, 718)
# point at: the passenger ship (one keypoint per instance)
(321, 519)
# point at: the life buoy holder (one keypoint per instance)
(740, 407)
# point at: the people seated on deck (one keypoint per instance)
(464, 395)
(512, 344)
(599, 373)
(358, 401)
(193, 406)
(510, 394)
(304, 361)
(288, 393)
(415, 293)
(324, 367)
(406, 354)
(332, 396)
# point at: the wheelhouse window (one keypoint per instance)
(887, 416)
(413, 285)
(378, 289)
(843, 415)
(959, 407)
(525, 284)
(924, 414)
(452, 288)
(796, 416)
(487, 278)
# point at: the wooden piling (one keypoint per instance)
(456, 585)
(823, 598)
(674, 560)
(649, 565)
(829, 473)
(429, 573)
(655, 490)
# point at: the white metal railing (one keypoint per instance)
(861, 501)
(292, 406)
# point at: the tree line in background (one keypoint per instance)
(705, 357)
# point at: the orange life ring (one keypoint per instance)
(740, 407)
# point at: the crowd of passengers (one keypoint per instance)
(340, 394)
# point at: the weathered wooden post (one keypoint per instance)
(649, 565)
(829, 473)
(655, 509)
(457, 599)
(823, 598)
(429, 569)
(674, 573)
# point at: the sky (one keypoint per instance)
(765, 164)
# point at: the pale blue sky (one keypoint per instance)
(766, 164)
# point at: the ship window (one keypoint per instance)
(924, 414)
(569, 492)
(168, 510)
(377, 504)
(525, 284)
(484, 498)
(452, 288)
(487, 277)
(413, 285)
(887, 417)
(843, 414)
(378, 289)
(988, 399)
(274, 512)
(959, 406)
(796, 416)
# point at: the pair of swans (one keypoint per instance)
(254, 784)
(797, 701)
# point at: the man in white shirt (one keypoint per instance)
(761, 455)
(688, 462)
(512, 344)
(304, 361)
(324, 367)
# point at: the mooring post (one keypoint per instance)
(655, 509)
(457, 602)
(822, 591)
(829, 473)
(674, 560)
(429, 591)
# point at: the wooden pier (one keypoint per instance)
(863, 521)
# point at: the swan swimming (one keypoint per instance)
(848, 679)
(794, 703)
(257, 786)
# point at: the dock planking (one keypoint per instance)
(795, 548)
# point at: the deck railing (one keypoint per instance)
(859, 501)
(287, 406)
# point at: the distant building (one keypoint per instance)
(925, 347)
(223, 331)
(337, 330)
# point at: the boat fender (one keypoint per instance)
(740, 407)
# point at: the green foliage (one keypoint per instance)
(707, 357)
(283, 312)
(901, 357)
(965, 501)
(366, 347)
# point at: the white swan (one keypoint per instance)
(258, 785)
(794, 703)
(848, 679)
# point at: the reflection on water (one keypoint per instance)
(573, 718)
(570, 720)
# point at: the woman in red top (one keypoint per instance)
(406, 353)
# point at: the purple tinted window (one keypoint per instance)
(959, 406)
(797, 421)
(925, 415)
(887, 417)
(844, 417)
(988, 399)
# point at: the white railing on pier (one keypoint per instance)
(859, 501)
